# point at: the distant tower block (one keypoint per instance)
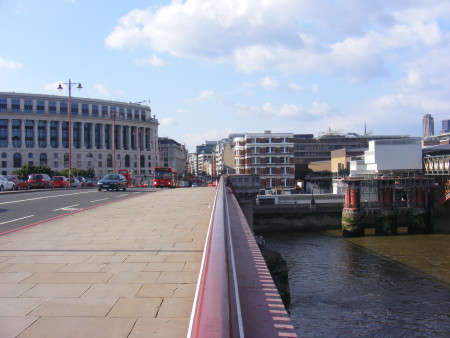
(428, 125)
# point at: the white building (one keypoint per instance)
(105, 135)
(389, 156)
(270, 155)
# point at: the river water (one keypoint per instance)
(373, 286)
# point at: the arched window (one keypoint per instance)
(43, 159)
(109, 160)
(127, 161)
(17, 160)
(89, 155)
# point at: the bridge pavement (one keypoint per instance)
(126, 269)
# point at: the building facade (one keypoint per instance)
(105, 135)
(270, 155)
(428, 125)
(173, 155)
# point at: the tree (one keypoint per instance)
(28, 169)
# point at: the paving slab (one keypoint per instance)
(125, 269)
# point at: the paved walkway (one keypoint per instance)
(126, 269)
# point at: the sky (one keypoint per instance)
(210, 68)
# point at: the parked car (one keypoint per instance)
(20, 183)
(75, 183)
(6, 184)
(112, 181)
(61, 182)
(82, 181)
(40, 181)
(90, 182)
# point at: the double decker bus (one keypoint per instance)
(165, 178)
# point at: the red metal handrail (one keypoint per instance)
(235, 298)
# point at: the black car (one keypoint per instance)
(113, 181)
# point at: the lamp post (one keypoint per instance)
(137, 132)
(69, 113)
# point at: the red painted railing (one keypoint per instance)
(235, 296)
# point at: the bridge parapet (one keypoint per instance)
(235, 296)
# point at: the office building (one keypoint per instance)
(270, 155)
(105, 135)
(428, 125)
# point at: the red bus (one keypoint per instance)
(165, 178)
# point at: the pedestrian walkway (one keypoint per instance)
(125, 269)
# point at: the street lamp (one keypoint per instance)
(69, 113)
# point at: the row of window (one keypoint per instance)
(43, 160)
(263, 160)
(92, 135)
(263, 150)
(267, 140)
(61, 108)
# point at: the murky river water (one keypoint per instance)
(367, 287)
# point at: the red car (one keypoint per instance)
(20, 183)
(40, 181)
(60, 182)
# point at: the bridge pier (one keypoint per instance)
(352, 225)
(390, 199)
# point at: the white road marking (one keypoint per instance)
(45, 197)
(103, 199)
(17, 219)
(121, 195)
(69, 208)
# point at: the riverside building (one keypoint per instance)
(270, 155)
(106, 135)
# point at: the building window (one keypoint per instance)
(107, 135)
(63, 108)
(104, 111)
(85, 109)
(52, 107)
(42, 134)
(43, 159)
(97, 136)
(54, 134)
(76, 135)
(29, 133)
(74, 109)
(40, 107)
(87, 135)
(3, 133)
(17, 133)
(55, 164)
(3, 105)
(95, 110)
(17, 160)
(15, 106)
(127, 161)
(129, 114)
(65, 136)
(55, 155)
(28, 107)
(109, 161)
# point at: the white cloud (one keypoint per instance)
(268, 110)
(152, 61)
(295, 87)
(269, 83)
(51, 86)
(168, 121)
(6, 64)
(205, 94)
(302, 36)
(102, 90)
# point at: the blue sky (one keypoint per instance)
(215, 67)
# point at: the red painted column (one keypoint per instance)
(419, 199)
(387, 199)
